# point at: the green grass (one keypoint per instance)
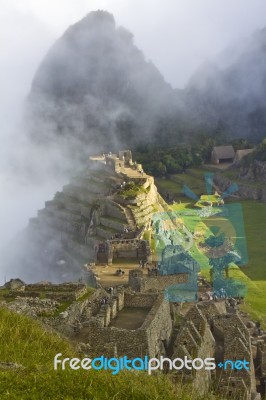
(254, 219)
(197, 184)
(25, 342)
(254, 273)
(132, 190)
(194, 178)
(86, 295)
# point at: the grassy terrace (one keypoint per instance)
(132, 190)
(25, 342)
(192, 178)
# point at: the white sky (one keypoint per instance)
(177, 35)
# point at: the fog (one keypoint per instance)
(178, 36)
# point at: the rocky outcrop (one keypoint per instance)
(254, 171)
(245, 191)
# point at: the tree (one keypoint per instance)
(157, 169)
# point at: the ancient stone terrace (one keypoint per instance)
(96, 213)
(64, 292)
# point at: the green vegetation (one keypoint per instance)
(163, 162)
(147, 235)
(25, 342)
(254, 219)
(253, 274)
(86, 295)
(160, 163)
(172, 187)
(132, 190)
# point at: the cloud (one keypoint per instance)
(177, 35)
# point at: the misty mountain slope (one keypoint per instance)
(95, 91)
(93, 85)
(235, 94)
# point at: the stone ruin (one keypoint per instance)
(91, 220)
(132, 324)
(116, 162)
(84, 219)
(211, 330)
(143, 283)
(138, 323)
(62, 292)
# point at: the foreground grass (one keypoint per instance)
(25, 342)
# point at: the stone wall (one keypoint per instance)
(111, 341)
(230, 329)
(211, 310)
(129, 248)
(195, 340)
(78, 312)
(237, 347)
(158, 325)
(261, 358)
(146, 340)
(114, 209)
(145, 300)
(141, 283)
(61, 293)
(223, 324)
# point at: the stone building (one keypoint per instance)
(140, 322)
(235, 336)
(222, 154)
(195, 340)
(124, 248)
(131, 324)
(143, 283)
(208, 330)
(114, 162)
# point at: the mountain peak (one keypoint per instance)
(95, 19)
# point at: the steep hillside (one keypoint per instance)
(99, 204)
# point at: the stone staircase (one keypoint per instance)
(130, 218)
